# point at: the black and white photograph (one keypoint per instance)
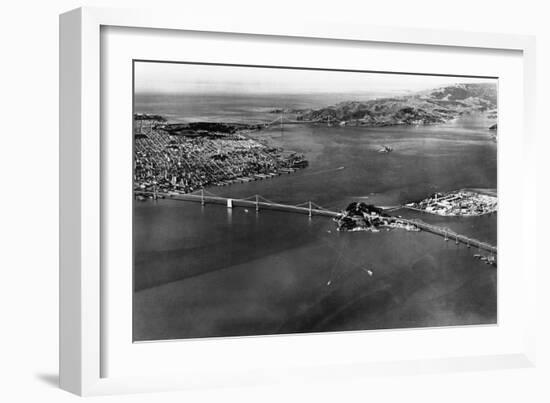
(300, 201)
(273, 200)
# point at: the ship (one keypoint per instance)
(385, 149)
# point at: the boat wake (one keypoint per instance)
(324, 171)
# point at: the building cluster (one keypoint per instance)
(164, 161)
(459, 203)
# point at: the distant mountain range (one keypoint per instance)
(426, 107)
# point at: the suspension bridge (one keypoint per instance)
(256, 202)
(310, 208)
(281, 120)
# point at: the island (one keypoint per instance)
(359, 216)
(464, 202)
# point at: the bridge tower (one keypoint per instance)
(282, 121)
(202, 197)
(257, 203)
(446, 239)
(456, 239)
(309, 213)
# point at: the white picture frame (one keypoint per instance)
(82, 343)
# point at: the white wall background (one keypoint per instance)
(29, 203)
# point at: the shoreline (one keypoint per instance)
(405, 207)
(190, 157)
(479, 202)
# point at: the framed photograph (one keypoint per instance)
(243, 203)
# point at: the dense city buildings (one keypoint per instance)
(187, 157)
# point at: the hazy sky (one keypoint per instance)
(182, 78)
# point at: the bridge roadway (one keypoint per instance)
(448, 235)
(294, 122)
(451, 235)
(256, 204)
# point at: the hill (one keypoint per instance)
(427, 107)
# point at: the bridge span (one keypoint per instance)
(310, 208)
(451, 235)
(257, 202)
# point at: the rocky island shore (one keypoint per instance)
(359, 216)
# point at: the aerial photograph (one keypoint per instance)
(279, 200)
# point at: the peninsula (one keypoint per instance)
(184, 157)
(422, 108)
